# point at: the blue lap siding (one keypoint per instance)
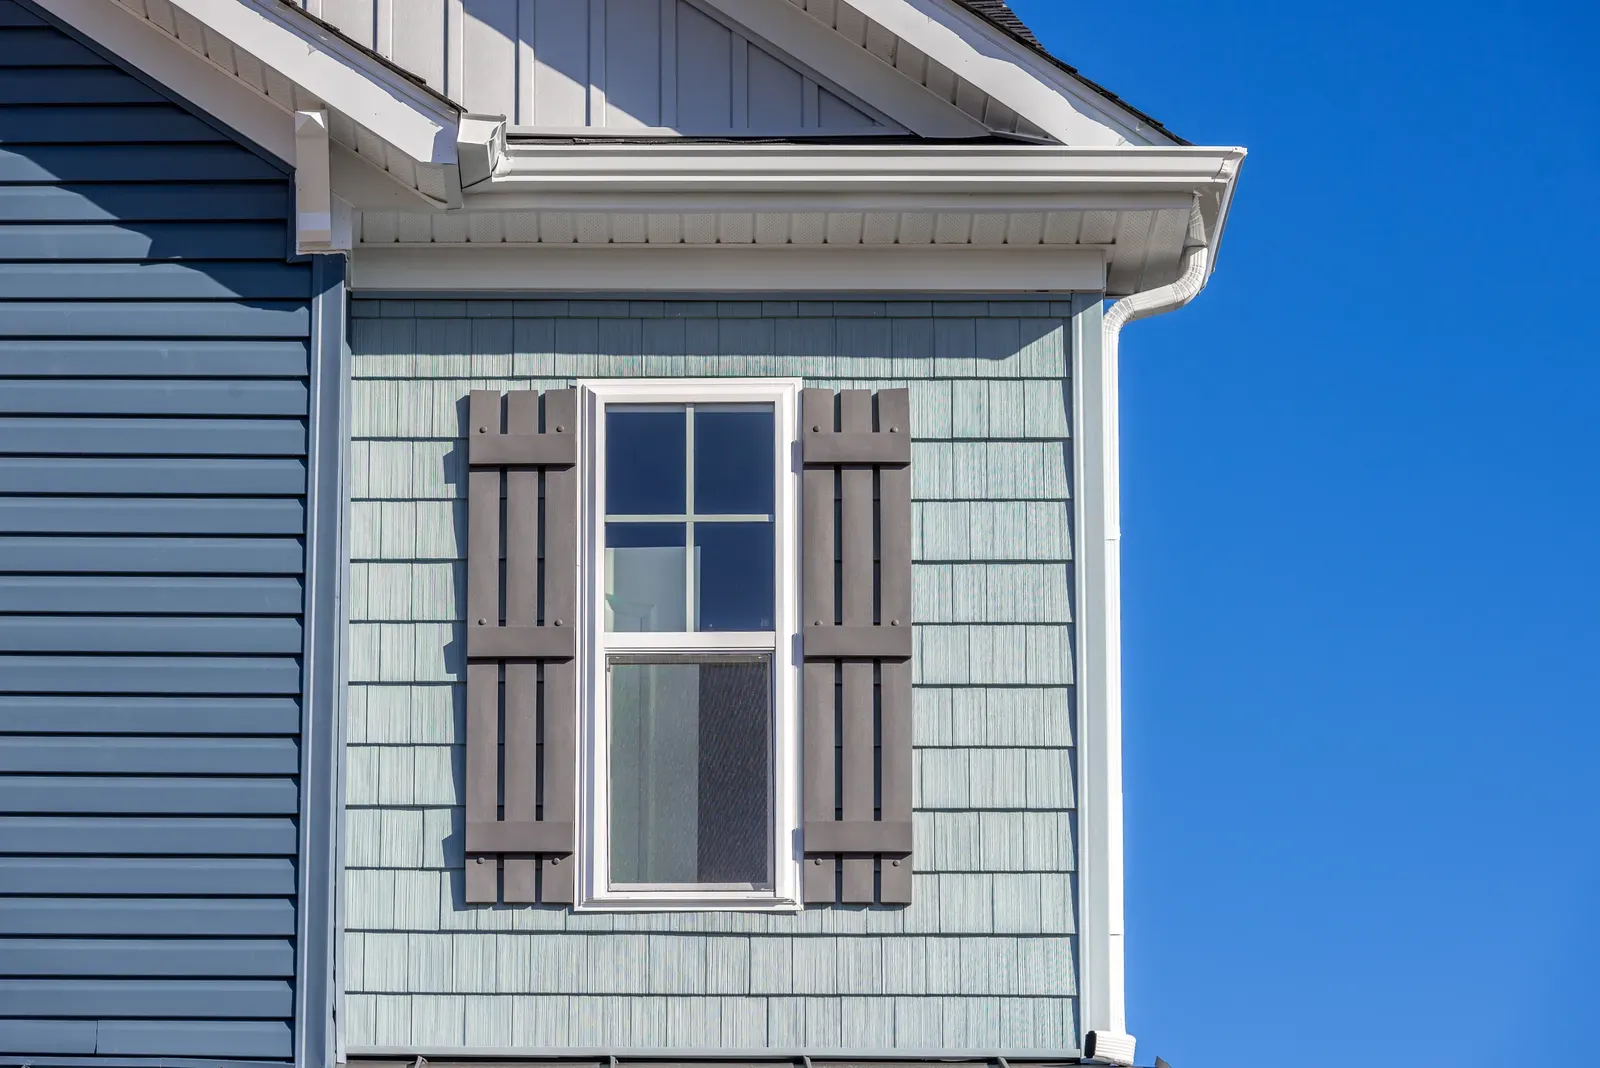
(154, 407)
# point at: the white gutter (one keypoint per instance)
(697, 168)
(1104, 963)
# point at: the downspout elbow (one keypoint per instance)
(1191, 280)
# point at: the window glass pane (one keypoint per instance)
(645, 587)
(690, 772)
(645, 464)
(734, 576)
(733, 461)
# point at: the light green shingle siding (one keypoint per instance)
(984, 958)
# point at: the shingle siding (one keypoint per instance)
(984, 958)
(154, 348)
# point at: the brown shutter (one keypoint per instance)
(521, 647)
(856, 599)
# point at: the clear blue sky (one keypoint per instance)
(1362, 538)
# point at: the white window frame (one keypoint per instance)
(595, 645)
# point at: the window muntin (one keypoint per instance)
(689, 507)
(691, 513)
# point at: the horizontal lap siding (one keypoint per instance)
(153, 410)
(984, 957)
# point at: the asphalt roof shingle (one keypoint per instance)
(998, 13)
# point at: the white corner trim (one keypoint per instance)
(851, 68)
(1016, 76)
(313, 193)
(187, 74)
(728, 268)
(408, 117)
(1095, 372)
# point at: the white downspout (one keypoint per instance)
(1114, 1044)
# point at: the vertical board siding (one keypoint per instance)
(153, 451)
(984, 956)
(615, 64)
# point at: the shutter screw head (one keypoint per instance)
(558, 622)
(894, 622)
(894, 430)
(555, 860)
(482, 622)
(816, 430)
(477, 860)
(561, 430)
(483, 430)
(817, 862)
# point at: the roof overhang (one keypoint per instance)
(1048, 96)
(258, 64)
(869, 216)
(409, 170)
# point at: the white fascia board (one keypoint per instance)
(726, 269)
(851, 68)
(344, 78)
(1013, 74)
(187, 74)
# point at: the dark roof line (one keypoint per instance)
(372, 54)
(998, 14)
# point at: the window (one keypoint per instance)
(690, 779)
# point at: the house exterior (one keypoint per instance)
(566, 529)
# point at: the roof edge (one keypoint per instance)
(1027, 39)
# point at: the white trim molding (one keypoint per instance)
(781, 645)
(313, 192)
(1026, 82)
(725, 269)
(187, 74)
(396, 109)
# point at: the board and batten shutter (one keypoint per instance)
(521, 646)
(856, 627)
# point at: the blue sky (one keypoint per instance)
(1362, 538)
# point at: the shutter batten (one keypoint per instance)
(512, 852)
(857, 652)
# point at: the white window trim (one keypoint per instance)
(595, 645)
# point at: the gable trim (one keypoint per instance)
(1011, 72)
(878, 85)
(408, 116)
(160, 62)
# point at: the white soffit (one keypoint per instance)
(1129, 207)
(399, 128)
